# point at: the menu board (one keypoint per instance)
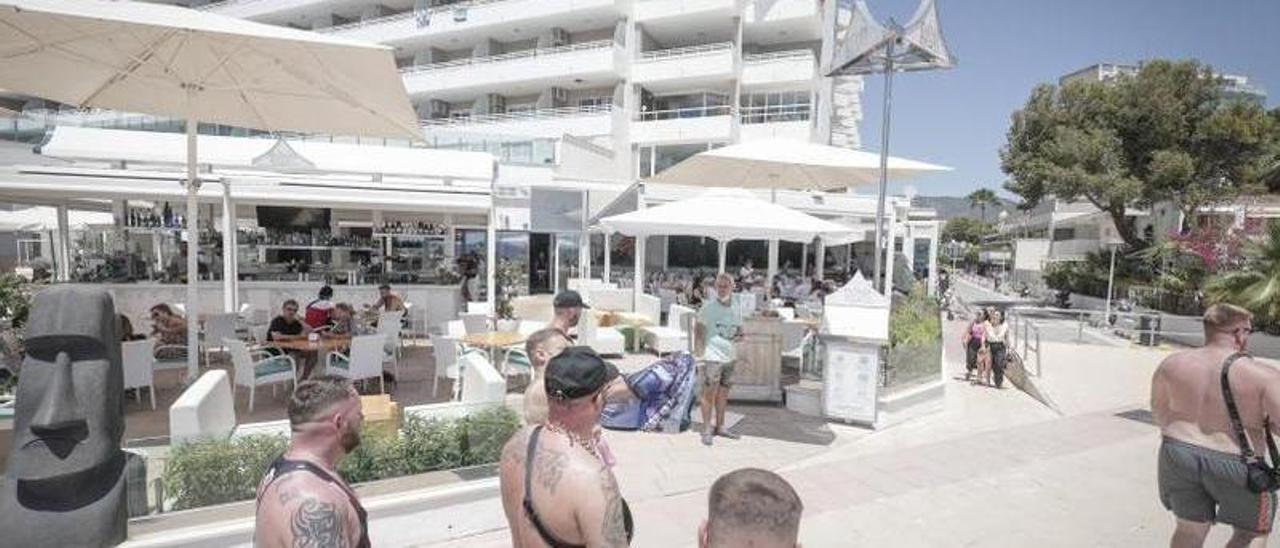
(850, 381)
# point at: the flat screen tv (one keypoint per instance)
(292, 217)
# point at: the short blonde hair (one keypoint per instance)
(724, 276)
(1222, 317)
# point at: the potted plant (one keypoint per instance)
(508, 277)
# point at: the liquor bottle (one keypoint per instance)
(168, 216)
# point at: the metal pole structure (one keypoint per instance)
(228, 250)
(884, 164)
(193, 249)
(1111, 278)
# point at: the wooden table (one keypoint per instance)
(311, 351)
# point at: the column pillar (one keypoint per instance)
(608, 256)
(723, 250)
(820, 260)
(804, 260)
(229, 296)
(64, 244)
(773, 266)
(638, 275)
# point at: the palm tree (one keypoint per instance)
(980, 198)
(1257, 285)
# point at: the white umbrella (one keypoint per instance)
(780, 163)
(40, 219)
(200, 67)
(723, 214)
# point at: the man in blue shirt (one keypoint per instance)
(719, 327)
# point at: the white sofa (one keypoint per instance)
(616, 300)
(205, 409)
(672, 337)
(606, 341)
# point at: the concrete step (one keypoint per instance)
(805, 397)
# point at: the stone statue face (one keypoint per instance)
(69, 414)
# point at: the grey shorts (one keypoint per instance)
(716, 373)
(1203, 485)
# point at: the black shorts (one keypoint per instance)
(1203, 485)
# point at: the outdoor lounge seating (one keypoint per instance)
(254, 368)
(445, 350)
(605, 340)
(616, 300)
(216, 328)
(205, 410)
(138, 373)
(364, 360)
(672, 337)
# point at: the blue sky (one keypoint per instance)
(959, 117)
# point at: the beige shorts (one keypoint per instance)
(716, 374)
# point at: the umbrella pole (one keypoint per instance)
(884, 168)
(193, 248)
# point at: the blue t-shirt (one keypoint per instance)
(721, 322)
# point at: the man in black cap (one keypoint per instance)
(568, 305)
(557, 485)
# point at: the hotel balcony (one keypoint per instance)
(795, 67)
(542, 67)
(271, 9)
(780, 11)
(684, 125)
(648, 11)
(667, 69)
(775, 122)
(551, 123)
(477, 18)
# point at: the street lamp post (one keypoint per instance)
(868, 47)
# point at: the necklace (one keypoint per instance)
(588, 444)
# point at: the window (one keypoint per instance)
(1061, 234)
(595, 103)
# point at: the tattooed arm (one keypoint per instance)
(307, 513)
(600, 517)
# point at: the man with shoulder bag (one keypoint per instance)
(1213, 405)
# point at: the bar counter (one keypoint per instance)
(432, 304)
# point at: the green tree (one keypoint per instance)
(1257, 285)
(964, 229)
(1167, 133)
(981, 198)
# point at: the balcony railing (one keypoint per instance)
(524, 54)
(429, 13)
(535, 114)
(777, 56)
(688, 112)
(775, 113)
(687, 51)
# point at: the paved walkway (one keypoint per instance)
(994, 468)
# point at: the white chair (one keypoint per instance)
(786, 313)
(479, 307)
(650, 307)
(671, 337)
(363, 361)
(475, 322)
(455, 329)
(216, 328)
(256, 368)
(260, 332)
(617, 300)
(138, 358)
(389, 326)
(445, 351)
(604, 340)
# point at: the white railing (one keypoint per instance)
(535, 114)
(687, 112)
(687, 51)
(524, 54)
(410, 14)
(224, 3)
(777, 55)
(775, 113)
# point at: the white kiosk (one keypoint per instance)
(855, 328)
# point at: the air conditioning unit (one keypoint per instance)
(559, 97)
(559, 37)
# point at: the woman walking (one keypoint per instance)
(973, 339)
(998, 342)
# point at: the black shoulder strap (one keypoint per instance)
(1246, 450)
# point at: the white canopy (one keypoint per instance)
(724, 214)
(779, 163)
(39, 219)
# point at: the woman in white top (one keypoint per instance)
(997, 342)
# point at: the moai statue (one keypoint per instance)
(65, 483)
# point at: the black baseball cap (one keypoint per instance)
(577, 372)
(569, 299)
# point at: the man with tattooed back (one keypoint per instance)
(302, 501)
(557, 489)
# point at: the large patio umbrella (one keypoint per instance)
(40, 219)
(724, 214)
(780, 163)
(200, 67)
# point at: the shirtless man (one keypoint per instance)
(556, 489)
(751, 507)
(1200, 473)
(540, 347)
(302, 501)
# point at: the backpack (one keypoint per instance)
(664, 396)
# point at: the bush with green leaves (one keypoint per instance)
(204, 473)
(915, 339)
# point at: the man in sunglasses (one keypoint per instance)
(302, 501)
(1201, 473)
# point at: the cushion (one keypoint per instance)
(272, 366)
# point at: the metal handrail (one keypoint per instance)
(777, 56)
(688, 112)
(523, 54)
(541, 113)
(408, 15)
(687, 51)
(775, 113)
